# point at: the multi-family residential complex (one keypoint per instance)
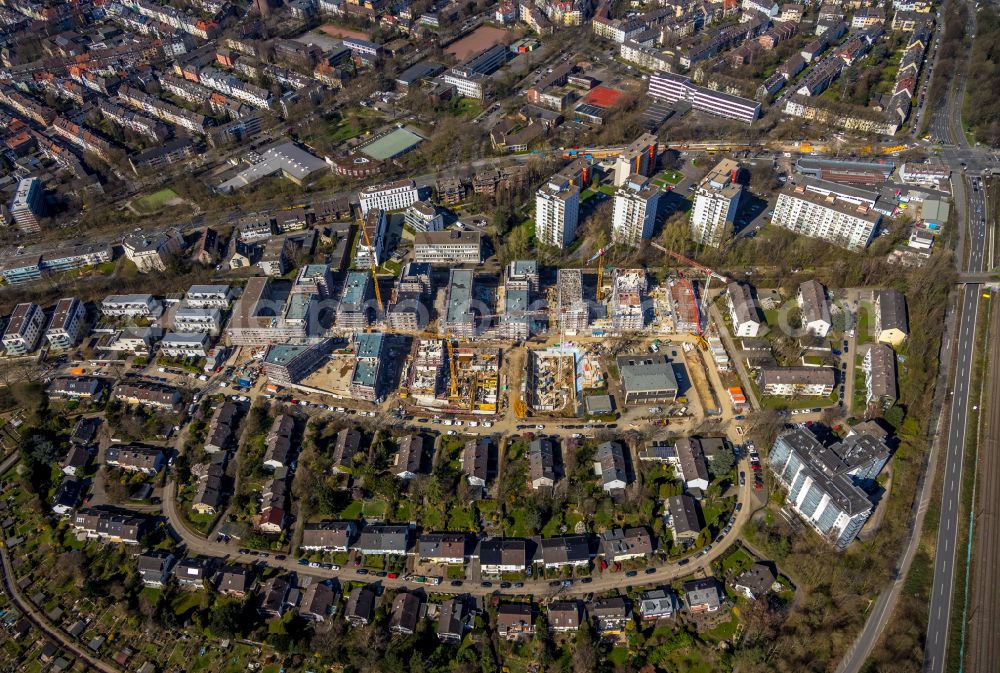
(743, 310)
(840, 222)
(628, 294)
(879, 366)
(635, 207)
(263, 315)
(366, 378)
(150, 252)
(716, 201)
(27, 206)
(459, 319)
(639, 158)
(424, 216)
(815, 307)
(397, 195)
(797, 381)
(825, 483)
(66, 326)
(24, 330)
(354, 310)
(572, 311)
(557, 212)
(132, 306)
(371, 242)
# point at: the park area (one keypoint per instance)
(157, 201)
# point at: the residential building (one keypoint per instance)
(371, 244)
(75, 388)
(108, 526)
(682, 519)
(132, 306)
(935, 175)
(573, 313)
(355, 308)
(405, 613)
(185, 345)
(611, 615)
(755, 581)
(628, 302)
(366, 378)
(639, 158)
(76, 460)
(815, 307)
(147, 460)
(346, 446)
(691, 464)
(146, 394)
(279, 449)
(152, 251)
(448, 247)
(891, 326)
(27, 205)
(879, 366)
(635, 207)
(743, 311)
(318, 600)
(516, 621)
(620, 544)
(67, 496)
(459, 319)
(24, 331)
(476, 461)
(541, 463)
(445, 548)
(842, 223)
(286, 364)
(272, 602)
(702, 595)
(384, 539)
(796, 381)
(453, 616)
(611, 467)
(409, 458)
(154, 568)
(329, 536)
(564, 616)
(716, 201)
(657, 604)
(397, 195)
(221, 427)
(67, 324)
(557, 212)
(498, 556)
(424, 216)
(209, 297)
(235, 581)
(825, 483)
(647, 378)
(192, 572)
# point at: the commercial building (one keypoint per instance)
(825, 483)
(448, 247)
(397, 195)
(557, 212)
(635, 207)
(288, 160)
(647, 378)
(797, 381)
(716, 201)
(674, 88)
(847, 225)
(27, 205)
(66, 327)
(573, 312)
(24, 330)
(743, 310)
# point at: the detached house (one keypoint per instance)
(516, 621)
(621, 545)
(702, 595)
(564, 616)
(154, 568)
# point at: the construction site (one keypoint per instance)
(551, 382)
(444, 376)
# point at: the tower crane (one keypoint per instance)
(373, 264)
(703, 308)
(600, 270)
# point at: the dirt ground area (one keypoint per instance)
(337, 31)
(481, 38)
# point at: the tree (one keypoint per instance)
(585, 654)
(227, 619)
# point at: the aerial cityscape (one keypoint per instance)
(500, 336)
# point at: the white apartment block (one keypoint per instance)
(209, 296)
(634, 211)
(715, 204)
(391, 196)
(188, 320)
(185, 345)
(557, 212)
(743, 311)
(815, 308)
(66, 327)
(844, 224)
(24, 330)
(132, 306)
(423, 216)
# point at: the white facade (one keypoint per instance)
(66, 327)
(185, 345)
(132, 306)
(24, 330)
(187, 320)
(557, 212)
(847, 225)
(634, 211)
(209, 296)
(715, 204)
(392, 196)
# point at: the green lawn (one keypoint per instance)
(345, 130)
(863, 329)
(668, 177)
(737, 561)
(723, 631)
(155, 201)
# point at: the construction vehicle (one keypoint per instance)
(600, 271)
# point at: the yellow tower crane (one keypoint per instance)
(451, 365)
(373, 261)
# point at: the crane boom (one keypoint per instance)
(373, 261)
(690, 262)
(451, 365)
(600, 270)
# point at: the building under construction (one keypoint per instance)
(684, 305)
(458, 318)
(551, 381)
(573, 313)
(476, 371)
(628, 292)
(426, 373)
